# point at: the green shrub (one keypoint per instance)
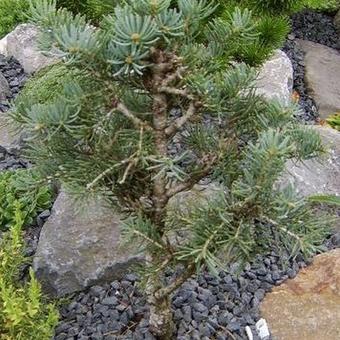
(334, 121)
(24, 314)
(325, 5)
(12, 12)
(18, 187)
(147, 60)
(269, 34)
(48, 83)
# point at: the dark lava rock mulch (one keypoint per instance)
(316, 27)
(206, 307)
(16, 78)
(309, 112)
(10, 160)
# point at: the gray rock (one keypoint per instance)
(322, 76)
(318, 176)
(3, 46)
(22, 45)
(80, 248)
(337, 21)
(110, 301)
(275, 79)
(4, 87)
(8, 138)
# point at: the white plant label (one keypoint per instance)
(262, 329)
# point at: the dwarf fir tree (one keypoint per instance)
(162, 107)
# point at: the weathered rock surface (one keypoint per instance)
(307, 307)
(4, 87)
(80, 248)
(8, 139)
(3, 46)
(319, 175)
(337, 21)
(322, 65)
(275, 80)
(22, 45)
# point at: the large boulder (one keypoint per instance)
(22, 45)
(275, 79)
(80, 247)
(322, 74)
(319, 175)
(4, 87)
(307, 307)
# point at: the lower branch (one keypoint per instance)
(178, 123)
(139, 123)
(194, 179)
(166, 291)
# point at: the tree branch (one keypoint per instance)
(139, 123)
(173, 76)
(166, 291)
(180, 122)
(194, 179)
(178, 92)
(285, 230)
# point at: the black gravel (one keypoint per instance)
(316, 27)
(15, 76)
(205, 307)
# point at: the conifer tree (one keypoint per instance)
(158, 75)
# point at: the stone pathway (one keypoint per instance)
(322, 65)
(318, 175)
(307, 307)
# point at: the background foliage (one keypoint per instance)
(12, 12)
(24, 314)
(16, 188)
(47, 84)
(334, 121)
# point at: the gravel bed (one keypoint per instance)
(205, 307)
(316, 27)
(15, 76)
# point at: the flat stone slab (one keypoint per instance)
(80, 247)
(275, 79)
(307, 307)
(322, 66)
(318, 175)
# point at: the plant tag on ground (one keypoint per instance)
(262, 329)
(249, 333)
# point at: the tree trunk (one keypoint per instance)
(161, 322)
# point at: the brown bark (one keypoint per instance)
(160, 115)
(162, 73)
(161, 322)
